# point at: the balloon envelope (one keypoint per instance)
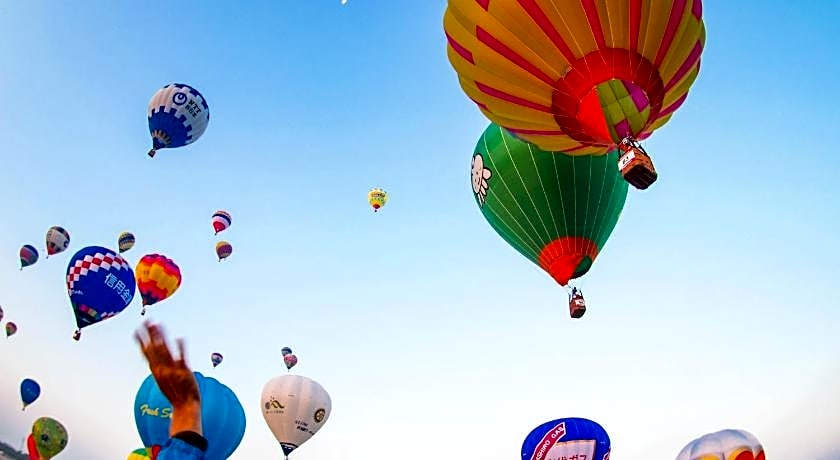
(11, 329)
(146, 453)
(557, 210)
(28, 255)
(216, 359)
(377, 198)
(223, 250)
(50, 437)
(221, 220)
(158, 277)
(100, 284)
(724, 444)
(222, 416)
(125, 241)
(577, 438)
(29, 391)
(178, 115)
(58, 240)
(577, 77)
(295, 408)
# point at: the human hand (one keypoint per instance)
(173, 376)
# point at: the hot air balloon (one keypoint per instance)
(571, 438)
(100, 284)
(557, 210)
(295, 408)
(125, 241)
(157, 278)
(578, 78)
(724, 445)
(216, 359)
(1, 313)
(377, 198)
(178, 115)
(50, 437)
(290, 361)
(223, 250)
(146, 453)
(222, 416)
(11, 329)
(28, 255)
(58, 239)
(29, 391)
(221, 221)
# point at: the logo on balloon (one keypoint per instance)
(319, 415)
(165, 412)
(179, 98)
(273, 403)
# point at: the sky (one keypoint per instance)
(713, 305)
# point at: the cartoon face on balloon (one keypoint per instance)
(480, 176)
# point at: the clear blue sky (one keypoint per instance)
(714, 304)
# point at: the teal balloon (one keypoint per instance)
(222, 416)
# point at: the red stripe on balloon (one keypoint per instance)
(463, 52)
(635, 8)
(674, 21)
(594, 22)
(498, 94)
(508, 53)
(544, 23)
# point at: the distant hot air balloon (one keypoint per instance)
(216, 359)
(557, 210)
(1, 313)
(570, 438)
(290, 361)
(221, 221)
(576, 76)
(222, 416)
(11, 329)
(100, 284)
(377, 198)
(125, 241)
(146, 453)
(50, 437)
(158, 277)
(58, 239)
(28, 255)
(223, 250)
(295, 408)
(178, 115)
(724, 445)
(29, 391)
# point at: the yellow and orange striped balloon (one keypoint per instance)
(158, 277)
(576, 76)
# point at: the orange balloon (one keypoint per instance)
(158, 277)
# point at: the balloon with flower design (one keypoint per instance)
(377, 198)
(158, 277)
(178, 115)
(557, 210)
(100, 284)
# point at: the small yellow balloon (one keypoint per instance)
(377, 198)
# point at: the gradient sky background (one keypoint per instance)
(714, 304)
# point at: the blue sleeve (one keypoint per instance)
(176, 449)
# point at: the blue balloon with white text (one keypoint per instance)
(570, 438)
(222, 416)
(100, 284)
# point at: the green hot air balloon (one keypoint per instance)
(556, 209)
(50, 437)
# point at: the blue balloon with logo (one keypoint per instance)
(100, 284)
(178, 115)
(570, 438)
(222, 416)
(29, 392)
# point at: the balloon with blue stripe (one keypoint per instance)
(567, 438)
(178, 115)
(222, 416)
